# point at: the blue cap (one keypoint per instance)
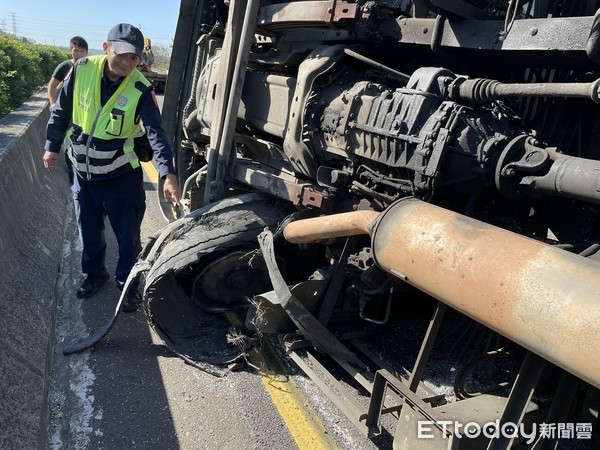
(125, 38)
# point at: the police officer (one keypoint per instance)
(105, 97)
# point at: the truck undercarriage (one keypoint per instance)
(386, 184)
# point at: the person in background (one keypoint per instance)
(78, 48)
(103, 102)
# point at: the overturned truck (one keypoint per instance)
(390, 186)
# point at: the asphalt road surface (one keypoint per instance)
(129, 391)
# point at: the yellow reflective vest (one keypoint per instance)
(114, 122)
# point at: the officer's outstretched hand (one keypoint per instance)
(51, 161)
(171, 190)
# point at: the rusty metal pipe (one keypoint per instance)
(541, 297)
(328, 227)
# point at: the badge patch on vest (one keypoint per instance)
(122, 101)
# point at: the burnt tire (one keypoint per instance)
(204, 265)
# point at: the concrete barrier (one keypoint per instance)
(33, 206)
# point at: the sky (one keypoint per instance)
(55, 22)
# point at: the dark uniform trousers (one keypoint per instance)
(123, 200)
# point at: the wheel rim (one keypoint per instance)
(230, 281)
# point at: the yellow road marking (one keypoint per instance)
(301, 420)
(306, 428)
(151, 172)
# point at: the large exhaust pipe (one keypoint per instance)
(543, 298)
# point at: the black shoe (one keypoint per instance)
(91, 285)
(132, 302)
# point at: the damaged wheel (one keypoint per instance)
(204, 265)
(230, 281)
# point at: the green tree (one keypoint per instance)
(162, 57)
(5, 73)
(24, 69)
